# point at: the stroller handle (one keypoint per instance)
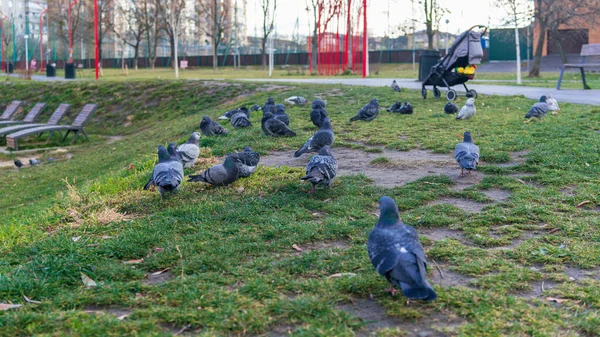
(480, 26)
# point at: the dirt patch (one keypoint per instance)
(466, 205)
(120, 313)
(403, 168)
(112, 139)
(152, 279)
(280, 330)
(578, 274)
(450, 279)
(497, 194)
(440, 234)
(538, 288)
(461, 183)
(568, 191)
(11, 162)
(109, 215)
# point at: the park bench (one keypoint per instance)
(55, 118)
(31, 116)
(586, 50)
(11, 110)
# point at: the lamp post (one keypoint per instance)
(70, 31)
(26, 52)
(2, 28)
(42, 69)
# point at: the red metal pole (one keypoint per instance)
(96, 36)
(70, 31)
(319, 63)
(365, 40)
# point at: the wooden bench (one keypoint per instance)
(586, 50)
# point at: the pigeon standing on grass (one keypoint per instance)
(318, 103)
(367, 112)
(296, 100)
(450, 108)
(255, 107)
(34, 162)
(406, 109)
(240, 120)
(321, 138)
(466, 154)
(539, 109)
(274, 127)
(270, 102)
(396, 253)
(211, 128)
(167, 174)
(246, 162)
(321, 169)
(468, 110)
(219, 175)
(279, 113)
(395, 107)
(395, 86)
(189, 152)
(317, 115)
(18, 163)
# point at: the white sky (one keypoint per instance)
(464, 14)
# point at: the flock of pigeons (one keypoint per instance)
(394, 248)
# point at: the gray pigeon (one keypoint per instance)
(230, 113)
(468, 110)
(395, 107)
(396, 253)
(466, 154)
(246, 162)
(317, 116)
(274, 127)
(167, 174)
(211, 128)
(450, 108)
(270, 102)
(296, 100)
(255, 107)
(52, 160)
(321, 138)
(219, 175)
(34, 162)
(406, 109)
(189, 152)
(319, 103)
(278, 111)
(395, 86)
(367, 112)
(539, 109)
(321, 169)
(240, 120)
(18, 163)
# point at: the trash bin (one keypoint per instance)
(70, 71)
(427, 59)
(10, 68)
(50, 70)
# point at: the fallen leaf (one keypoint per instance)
(158, 250)
(240, 189)
(122, 317)
(131, 167)
(582, 203)
(76, 238)
(87, 281)
(586, 164)
(554, 230)
(341, 275)
(160, 272)
(133, 261)
(4, 306)
(295, 246)
(556, 300)
(31, 301)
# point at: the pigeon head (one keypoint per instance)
(267, 114)
(467, 137)
(172, 149)
(244, 109)
(247, 149)
(543, 99)
(470, 101)
(374, 101)
(407, 103)
(388, 212)
(163, 154)
(394, 81)
(326, 124)
(230, 161)
(271, 101)
(325, 151)
(205, 121)
(256, 107)
(194, 138)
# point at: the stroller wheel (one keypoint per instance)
(424, 93)
(451, 95)
(472, 93)
(436, 93)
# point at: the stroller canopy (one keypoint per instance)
(464, 51)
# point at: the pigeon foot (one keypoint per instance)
(391, 290)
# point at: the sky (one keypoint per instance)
(463, 14)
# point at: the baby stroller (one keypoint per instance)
(455, 67)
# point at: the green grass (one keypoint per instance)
(232, 268)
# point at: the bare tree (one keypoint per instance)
(433, 14)
(132, 33)
(150, 17)
(215, 12)
(172, 13)
(551, 14)
(518, 13)
(323, 11)
(268, 12)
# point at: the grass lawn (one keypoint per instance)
(519, 257)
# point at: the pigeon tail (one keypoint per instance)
(355, 118)
(148, 184)
(199, 177)
(425, 293)
(289, 133)
(300, 152)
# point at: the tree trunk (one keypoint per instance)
(172, 43)
(537, 57)
(315, 51)
(264, 53)
(559, 45)
(215, 56)
(429, 36)
(136, 55)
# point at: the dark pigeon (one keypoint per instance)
(219, 175)
(230, 113)
(539, 109)
(406, 109)
(450, 108)
(211, 128)
(255, 107)
(34, 162)
(395, 107)
(189, 152)
(274, 127)
(317, 116)
(18, 163)
(466, 154)
(319, 103)
(270, 103)
(168, 172)
(279, 113)
(240, 120)
(246, 162)
(321, 138)
(395, 86)
(368, 112)
(396, 253)
(321, 169)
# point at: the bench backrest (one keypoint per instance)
(59, 113)
(590, 49)
(33, 114)
(84, 115)
(11, 109)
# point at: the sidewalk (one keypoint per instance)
(577, 96)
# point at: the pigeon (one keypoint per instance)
(246, 162)
(51, 160)
(189, 152)
(296, 100)
(168, 172)
(274, 127)
(321, 138)
(317, 116)
(396, 253)
(450, 108)
(367, 112)
(219, 175)
(318, 103)
(278, 111)
(240, 120)
(539, 109)
(211, 128)
(466, 154)
(553, 104)
(34, 162)
(468, 110)
(18, 163)
(406, 109)
(270, 102)
(395, 86)
(321, 169)
(255, 107)
(395, 107)
(230, 113)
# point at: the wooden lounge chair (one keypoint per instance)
(31, 116)
(11, 110)
(76, 127)
(56, 117)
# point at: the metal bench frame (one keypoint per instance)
(586, 50)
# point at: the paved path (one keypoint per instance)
(578, 96)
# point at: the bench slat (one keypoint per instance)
(590, 49)
(580, 65)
